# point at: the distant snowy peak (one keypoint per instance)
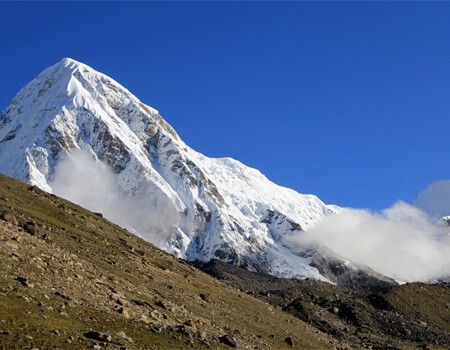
(188, 204)
(435, 199)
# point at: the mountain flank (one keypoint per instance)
(72, 280)
(71, 123)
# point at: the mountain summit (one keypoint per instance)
(75, 132)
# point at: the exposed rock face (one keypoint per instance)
(344, 273)
(203, 208)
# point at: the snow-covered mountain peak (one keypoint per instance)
(191, 205)
(73, 64)
(70, 67)
(435, 199)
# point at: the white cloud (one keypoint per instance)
(400, 242)
(87, 182)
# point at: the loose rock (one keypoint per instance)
(124, 312)
(106, 337)
(227, 340)
(31, 228)
(289, 341)
(24, 281)
(8, 216)
(204, 297)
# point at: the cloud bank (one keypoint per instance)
(85, 181)
(400, 242)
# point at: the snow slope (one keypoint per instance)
(206, 208)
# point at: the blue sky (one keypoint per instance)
(346, 100)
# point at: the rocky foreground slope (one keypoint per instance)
(71, 280)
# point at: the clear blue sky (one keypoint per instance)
(346, 100)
